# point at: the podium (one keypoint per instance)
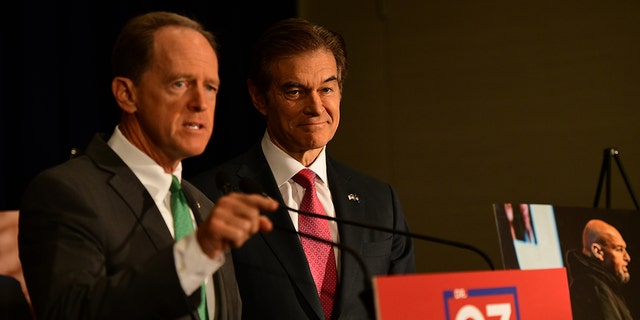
(476, 295)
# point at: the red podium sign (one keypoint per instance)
(477, 295)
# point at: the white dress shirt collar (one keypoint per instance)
(284, 167)
(151, 174)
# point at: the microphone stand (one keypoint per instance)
(251, 187)
(223, 181)
(401, 232)
(367, 294)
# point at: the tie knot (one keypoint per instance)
(175, 185)
(305, 178)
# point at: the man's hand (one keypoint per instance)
(234, 219)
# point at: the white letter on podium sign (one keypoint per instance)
(499, 309)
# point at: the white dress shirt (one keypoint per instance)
(284, 167)
(193, 266)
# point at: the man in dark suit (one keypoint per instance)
(96, 234)
(296, 76)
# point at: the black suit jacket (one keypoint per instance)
(13, 303)
(273, 275)
(93, 245)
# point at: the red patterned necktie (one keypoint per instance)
(320, 255)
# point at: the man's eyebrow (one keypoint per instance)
(290, 84)
(332, 78)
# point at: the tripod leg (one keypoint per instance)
(626, 181)
(604, 171)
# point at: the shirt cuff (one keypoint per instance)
(193, 266)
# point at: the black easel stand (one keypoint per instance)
(606, 171)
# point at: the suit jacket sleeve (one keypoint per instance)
(93, 245)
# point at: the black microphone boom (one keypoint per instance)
(251, 186)
(223, 182)
(367, 294)
(402, 232)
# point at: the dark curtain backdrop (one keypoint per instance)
(55, 79)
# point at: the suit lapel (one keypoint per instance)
(196, 206)
(350, 236)
(283, 241)
(133, 193)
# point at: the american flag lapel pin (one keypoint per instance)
(353, 197)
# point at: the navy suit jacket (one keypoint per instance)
(271, 268)
(93, 245)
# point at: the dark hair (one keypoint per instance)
(291, 37)
(133, 49)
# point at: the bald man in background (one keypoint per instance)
(598, 272)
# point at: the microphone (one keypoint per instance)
(250, 186)
(223, 182)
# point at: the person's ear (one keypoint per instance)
(123, 91)
(597, 251)
(257, 97)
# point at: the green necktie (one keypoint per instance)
(183, 225)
